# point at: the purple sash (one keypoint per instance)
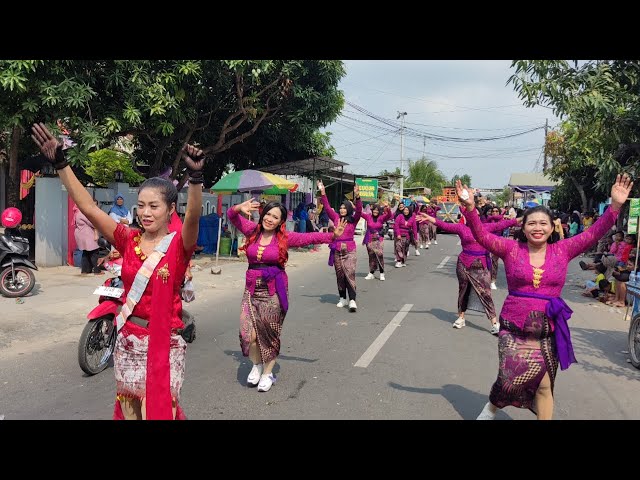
(367, 235)
(332, 252)
(270, 272)
(560, 312)
(485, 254)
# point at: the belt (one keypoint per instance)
(187, 333)
(138, 321)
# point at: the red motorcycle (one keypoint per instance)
(98, 338)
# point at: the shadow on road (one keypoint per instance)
(325, 298)
(479, 321)
(466, 402)
(245, 364)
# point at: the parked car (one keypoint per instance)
(360, 227)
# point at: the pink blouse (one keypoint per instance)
(270, 253)
(549, 278)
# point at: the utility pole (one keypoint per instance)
(401, 114)
(544, 163)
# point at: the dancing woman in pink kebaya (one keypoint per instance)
(534, 335)
(265, 300)
(473, 269)
(373, 238)
(343, 249)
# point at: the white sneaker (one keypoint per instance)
(417, 253)
(265, 382)
(435, 242)
(342, 303)
(493, 286)
(427, 246)
(495, 328)
(403, 264)
(459, 323)
(428, 243)
(352, 306)
(382, 277)
(407, 254)
(369, 277)
(254, 375)
(486, 414)
(398, 264)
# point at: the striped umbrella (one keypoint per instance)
(253, 181)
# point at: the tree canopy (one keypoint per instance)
(246, 112)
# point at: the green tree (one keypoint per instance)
(465, 179)
(425, 173)
(504, 197)
(104, 163)
(273, 107)
(601, 99)
(570, 150)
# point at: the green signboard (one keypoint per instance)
(634, 209)
(368, 189)
(632, 226)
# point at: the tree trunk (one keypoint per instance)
(13, 181)
(583, 196)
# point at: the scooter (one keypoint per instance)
(98, 338)
(16, 277)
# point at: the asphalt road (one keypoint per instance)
(396, 358)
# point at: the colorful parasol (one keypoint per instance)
(253, 181)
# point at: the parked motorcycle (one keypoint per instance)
(16, 277)
(387, 229)
(98, 338)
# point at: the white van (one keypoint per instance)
(360, 227)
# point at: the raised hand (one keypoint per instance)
(465, 195)
(194, 159)
(356, 191)
(339, 229)
(620, 191)
(426, 217)
(247, 207)
(50, 146)
(321, 187)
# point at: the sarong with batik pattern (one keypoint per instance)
(401, 249)
(433, 231)
(494, 267)
(376, 258)
(423, 230)
(474, 290)
(261, 312)
(525, 355)
(345, 265)
(130, 364)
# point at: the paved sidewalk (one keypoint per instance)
(57, 307)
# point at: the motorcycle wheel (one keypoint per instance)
(24, 282)
(96, 345)
(634, 341)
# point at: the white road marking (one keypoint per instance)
(377, 344)
(443, 262)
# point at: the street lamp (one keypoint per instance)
(401, 114)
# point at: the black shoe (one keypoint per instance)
(583, 265)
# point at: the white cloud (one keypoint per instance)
(451, 98)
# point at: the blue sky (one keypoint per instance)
(460, 99)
